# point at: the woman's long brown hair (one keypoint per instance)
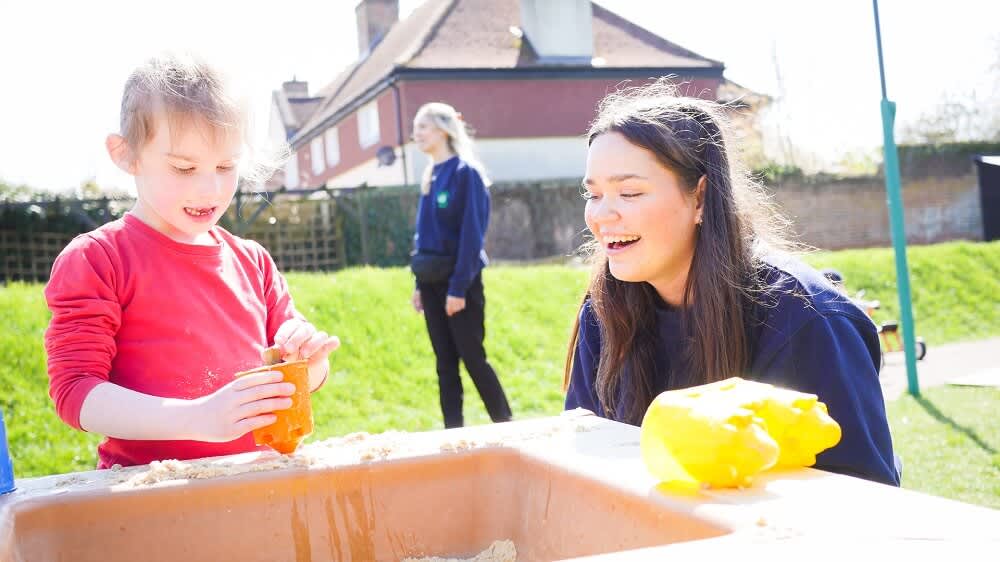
(688, 136)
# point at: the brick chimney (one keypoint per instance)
(560, 31)
(375, 18)
(295, 89)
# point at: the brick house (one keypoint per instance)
(526, 75)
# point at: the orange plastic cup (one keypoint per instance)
(295, 423)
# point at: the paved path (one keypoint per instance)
(944, 364)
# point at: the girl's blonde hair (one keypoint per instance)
(444, 117)
(185, 88)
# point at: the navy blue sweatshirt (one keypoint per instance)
(804, 335)
(452, 220)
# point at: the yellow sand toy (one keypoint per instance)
(722, 434)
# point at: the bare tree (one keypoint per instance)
(960, 117)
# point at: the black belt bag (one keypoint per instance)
(432, 268)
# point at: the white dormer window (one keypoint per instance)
(292, 171)
(332, 139)
(316, 153)
(368, 133)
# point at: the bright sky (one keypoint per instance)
(64, 63)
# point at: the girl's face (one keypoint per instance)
(185, 179)
(641, 214)
(428, 136)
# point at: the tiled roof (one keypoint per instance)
(476, 34)
(294, 111)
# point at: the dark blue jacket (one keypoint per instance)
(452, 220)
(805, 336)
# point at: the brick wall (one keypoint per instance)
(940, 199)
(531, 221)
(853, 213)
(535, 220)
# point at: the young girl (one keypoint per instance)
(153, 314)
(689, 286)
(452, 216)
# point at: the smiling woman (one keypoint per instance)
(693, 282)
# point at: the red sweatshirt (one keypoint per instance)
(136, 308)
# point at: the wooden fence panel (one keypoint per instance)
(301, 235)
(304, 236)
(28, 256)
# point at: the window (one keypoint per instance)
(292, 171)
(368, 125)
(316, 153)
(332, 139)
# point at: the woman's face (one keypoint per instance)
(641, 214)
(428, 136)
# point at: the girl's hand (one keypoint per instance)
(299, 339)
(454, 305)
(239, 407)
(416, 302)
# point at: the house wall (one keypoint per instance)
(525, 129)
(524, 108)
(527, 159)
(521, 159)
(369, 172)
(352, 156)
(275, 127)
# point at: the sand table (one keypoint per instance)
(352, 449)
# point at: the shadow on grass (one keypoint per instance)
(932, 410)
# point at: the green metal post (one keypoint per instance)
(895, 202)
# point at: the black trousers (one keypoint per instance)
(461, 336)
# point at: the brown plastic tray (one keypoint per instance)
(558, 488)
(451, 504)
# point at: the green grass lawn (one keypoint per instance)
(954, 286)
(383, 376)
(949, 439)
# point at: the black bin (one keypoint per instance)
(988, 168)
